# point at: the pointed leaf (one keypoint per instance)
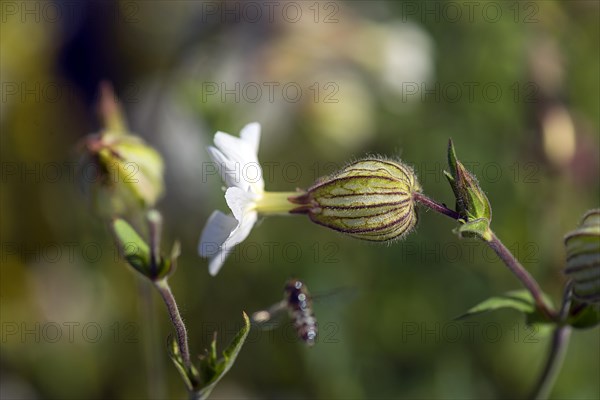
(451, 158)
(517, 300)
(176, 250)
(168, 265)
(231, 352)
(190, 376)
(471, 201)
(520, 300)
(209, 367)
(135, 250)
(450, 178)
(229, 356)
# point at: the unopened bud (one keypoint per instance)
(371, 199)
(471, 201)
(130, 172)
(583, 258)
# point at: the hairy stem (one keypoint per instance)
(155, 224)
(521, 273)
(154, 370)
(180, 330)
(435, 206)
(505, 255)
(558, 350)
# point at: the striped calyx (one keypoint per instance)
(583, 258)
(371, 199)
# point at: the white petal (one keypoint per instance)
(239, 201)
(234, 148)
(238, 235)
(229, 170)
(216, 262)
(242, 164)
(216, 156)
(242, 231)
(216, 231)
(251, 134)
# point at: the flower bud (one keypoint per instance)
(471, 201)
(128, 172)
(119, 171)
(583, 258)
(371, 199)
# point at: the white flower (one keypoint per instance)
(236, 158)
(237, 161)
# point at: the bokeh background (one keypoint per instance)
(515, 84)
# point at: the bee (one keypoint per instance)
(298, 302)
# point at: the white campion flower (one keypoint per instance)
(237, 162)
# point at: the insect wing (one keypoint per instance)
(270, 318)
(338, 295)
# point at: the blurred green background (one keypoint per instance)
(515, 84)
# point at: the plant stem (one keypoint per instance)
(435, 206)
(521, 273)
(558, 350)
(180, 330)
(155, 224)
(505, 255)
(154, 361)
(562, 333)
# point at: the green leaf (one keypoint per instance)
(190, 376)
(476, 228)
(135, 250)
(585, 315)
(208, 362)
(139, 255)
(520, 300)
(218, 368)
(451, 159)
(168, 266)
(231, 352)
(175, 250)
